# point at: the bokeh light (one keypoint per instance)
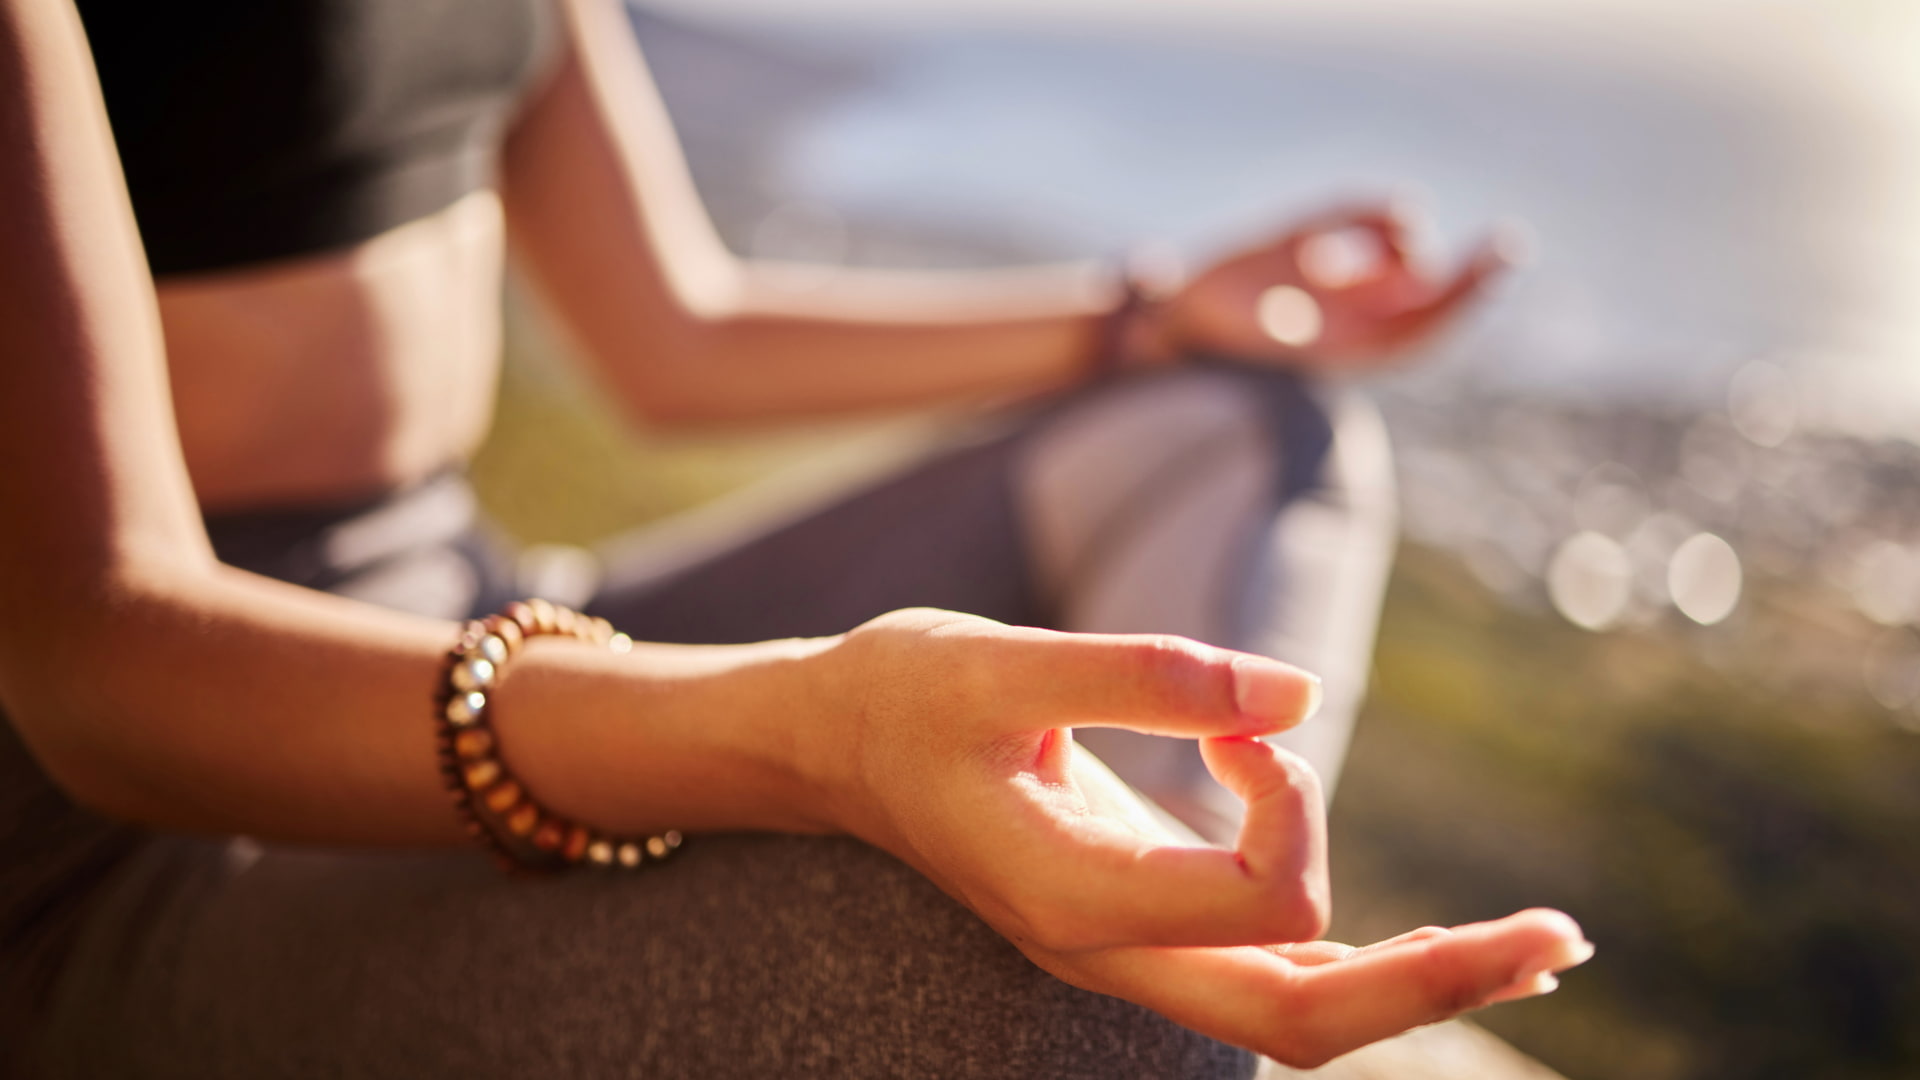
(1704, 578)
(1590, 581)
(1762, 403)
(1289, 315)
(1885, 580)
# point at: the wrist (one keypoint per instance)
(698, 738)
(1136, 332)
(833, 742)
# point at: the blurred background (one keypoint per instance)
(1650, 651)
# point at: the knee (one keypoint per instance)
(1358, 470)
(895, 978)
(973, 1005)
(1139, 425)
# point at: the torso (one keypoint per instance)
(312, 180)
(339, 375)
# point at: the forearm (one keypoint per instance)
(804, 340)
(606, 221)
(224, 702)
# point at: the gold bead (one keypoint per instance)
(520, 613)
(476, 671)
(600, 853)
(629, 855)
(481, 773)
(521, 819)
(473, 743)
(464, 709)
(507, 631)
(543, 615)
(657, 846)
(503, 796)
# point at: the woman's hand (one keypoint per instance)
(1339, 290)
(962, 763)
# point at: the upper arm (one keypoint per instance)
(602, 209)
(94, 482)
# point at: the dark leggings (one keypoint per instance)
(748, 955)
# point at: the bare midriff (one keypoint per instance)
(340, 375)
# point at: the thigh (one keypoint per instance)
(955, 531)
(943, 533)
(748, 956)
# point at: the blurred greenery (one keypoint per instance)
(1744, 855)
(1746, 862)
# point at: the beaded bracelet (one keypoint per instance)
(496, 808)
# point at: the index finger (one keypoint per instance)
(1094, 883)
(1391, 221)
(1153, 683)
(1417, 322)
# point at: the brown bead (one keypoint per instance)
(550, 835)
(543, 615)
(576, 845)
(481, 773)
(521, 819)
(503, 796)
(521, 614)
(473, 743)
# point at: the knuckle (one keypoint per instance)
(1054, 931)
(1297, 1043)
(1174, 668)
(1305, 1055)
(1299, 914)
(1453, 991)
(1301, 777)
(1285, 792)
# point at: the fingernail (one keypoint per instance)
(1533, 986)
(1270, 690)
(1567, 954)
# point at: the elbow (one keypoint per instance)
(75, 767)
(677, 381)
(69, 687)
(659, 402)
(69, 738)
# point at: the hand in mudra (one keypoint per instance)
(962, 763)
(1339, 290)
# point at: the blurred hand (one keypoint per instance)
(1338, 291)
(961, 762)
